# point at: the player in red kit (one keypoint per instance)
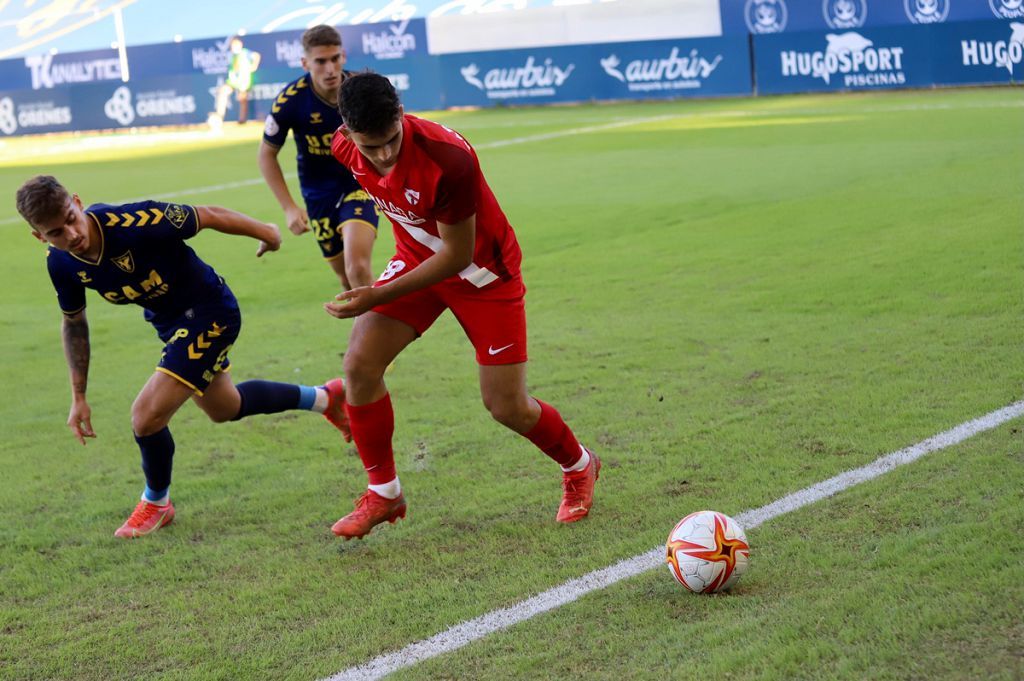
(455, 249)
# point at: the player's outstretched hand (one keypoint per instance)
(80, 420)
(353, 303)
(270, 244)
(298, 221)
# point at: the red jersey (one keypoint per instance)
(437, 178)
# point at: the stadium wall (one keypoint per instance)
(888, 57)
(778, 16)
(175, 83)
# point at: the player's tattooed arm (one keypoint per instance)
(75, 335)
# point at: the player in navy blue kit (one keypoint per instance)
(136, 254)
(342, 216)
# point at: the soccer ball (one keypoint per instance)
(707, 552)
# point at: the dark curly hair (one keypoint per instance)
(41, 199)
(368, 103)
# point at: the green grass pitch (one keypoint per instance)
(728, 300)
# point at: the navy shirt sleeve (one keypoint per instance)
(70, 291)
(160, 220)
(278, 123)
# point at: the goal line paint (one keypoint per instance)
(472, 630)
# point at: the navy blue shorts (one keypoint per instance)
(196, 342)
(327, 215)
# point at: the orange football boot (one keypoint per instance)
(578, 491)
(371, 510)
(145, 519)
(335, 411)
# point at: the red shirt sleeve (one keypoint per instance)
(458, 189)
(340, 148)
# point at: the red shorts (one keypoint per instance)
(493, 317)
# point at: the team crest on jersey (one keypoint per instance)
(1007, 9)
(412, 196)
(176, 214)
(270, 126)
(926, 11)
(315, 118)
(125, 262)
(845, 13)
(766, 16)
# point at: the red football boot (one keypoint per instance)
(578, 491)
(371, 509)
(145, 519)
(335, 411)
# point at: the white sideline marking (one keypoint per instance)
(579, 131)
(485, 145)
(474, 629)
(609, 126)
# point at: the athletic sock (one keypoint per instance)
(389, 490)
(553, 437)
(320, 399)
(372, 427)
(156, 497)
(269, 397)
(581, 464)
(157, 458)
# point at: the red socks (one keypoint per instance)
(374, 424)
(372, 427)
(553, 437)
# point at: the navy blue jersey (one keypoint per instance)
(313, 119)
(143, 260)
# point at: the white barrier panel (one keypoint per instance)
(574, 25)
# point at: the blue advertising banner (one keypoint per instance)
(701, 67)
(26, 112)
(48, 71)
(867, 59)
(776, 16)
(174, 100)
(544, 75)
(177, 83)
(978, 52)
(650, 69)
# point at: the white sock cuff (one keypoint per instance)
(389, 490)
(579, 465)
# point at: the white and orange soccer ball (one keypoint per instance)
(707, 552)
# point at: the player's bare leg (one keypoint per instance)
(375, 341)
(243, 107)
(337, 264)
(157, 402)
(358, 237)
(221, 400)
(503, 389)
